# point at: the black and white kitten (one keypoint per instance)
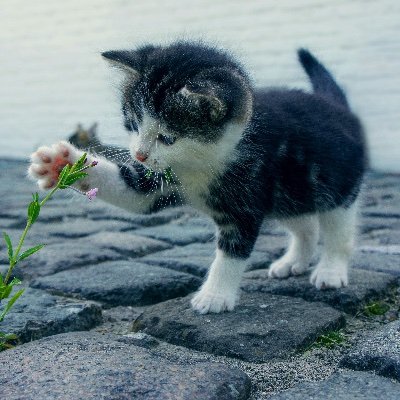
(238, 154)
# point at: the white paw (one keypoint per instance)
(285, 267)
(47, 163)
(329, 277)
(207, 301)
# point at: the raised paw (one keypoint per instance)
(47, 163)
(206, 301)
(329, 277)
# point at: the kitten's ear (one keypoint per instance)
(205, 98)
(124, 60)
(92, 131)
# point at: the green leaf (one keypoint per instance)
(30, 251)
(64, 172)
(80, 163)
(5, 291)
(69, 180)
(9, 246)
(33, 211)
(11, 303)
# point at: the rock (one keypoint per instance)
(344, 386)
(196, 258)
(260, 329)
(179, 234)
(94, 366)
(80, 227)
(127, 283)
(64, 256)
(127, 244)
(378, 261)
(37, 314)
(378, 352)
(364, 286)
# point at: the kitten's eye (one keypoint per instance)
(131, 126)
(167, 140)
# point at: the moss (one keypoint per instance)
(330, 339)
(376, 308)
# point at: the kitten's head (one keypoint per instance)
(182, 101)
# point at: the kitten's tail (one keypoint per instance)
(321, 79)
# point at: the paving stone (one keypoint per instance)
(85, 366)
(63, 256)
(344, 386)
(179, 234)
(128, 244)
(37, 314)
(378, 352)
(377, 261)
(126, 283)
(72, 228)
(364, 286)
(109, 212)
(260, 329)
(196, 258)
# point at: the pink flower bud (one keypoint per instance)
(92, 193)
(94, 163)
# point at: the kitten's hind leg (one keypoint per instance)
(304, 238)
(338, 228)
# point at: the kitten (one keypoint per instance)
(87, 139)
(238, 154)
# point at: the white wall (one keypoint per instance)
(51, 74)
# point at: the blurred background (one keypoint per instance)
(52, 76)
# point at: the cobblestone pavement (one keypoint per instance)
(106, 311)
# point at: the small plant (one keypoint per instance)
(376, 308)
(69, 175)
(329, 340)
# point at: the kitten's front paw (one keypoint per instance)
(47, 163)
(329, 277)
(206, 301)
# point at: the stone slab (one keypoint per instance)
(378, 261)
(179, 234)
(37, 314)
(260, 329)
(196, 258)
(126, 283)
(72, 228)
(86, 366)
(127, 244)
(63, 256)
(378, 352)
(364, 287)
(344, 386)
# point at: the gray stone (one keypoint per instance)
(128, 244)
(80, 227)
(261, 328)
(378, 261)
(196, 258)
(378, 352)
(85, 366)
(63, 256)
(344, 386)
(364, 286)
(179, 234)
(126, 283)
(37, 314)
(162, 217)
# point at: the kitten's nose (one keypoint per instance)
(141, 157)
